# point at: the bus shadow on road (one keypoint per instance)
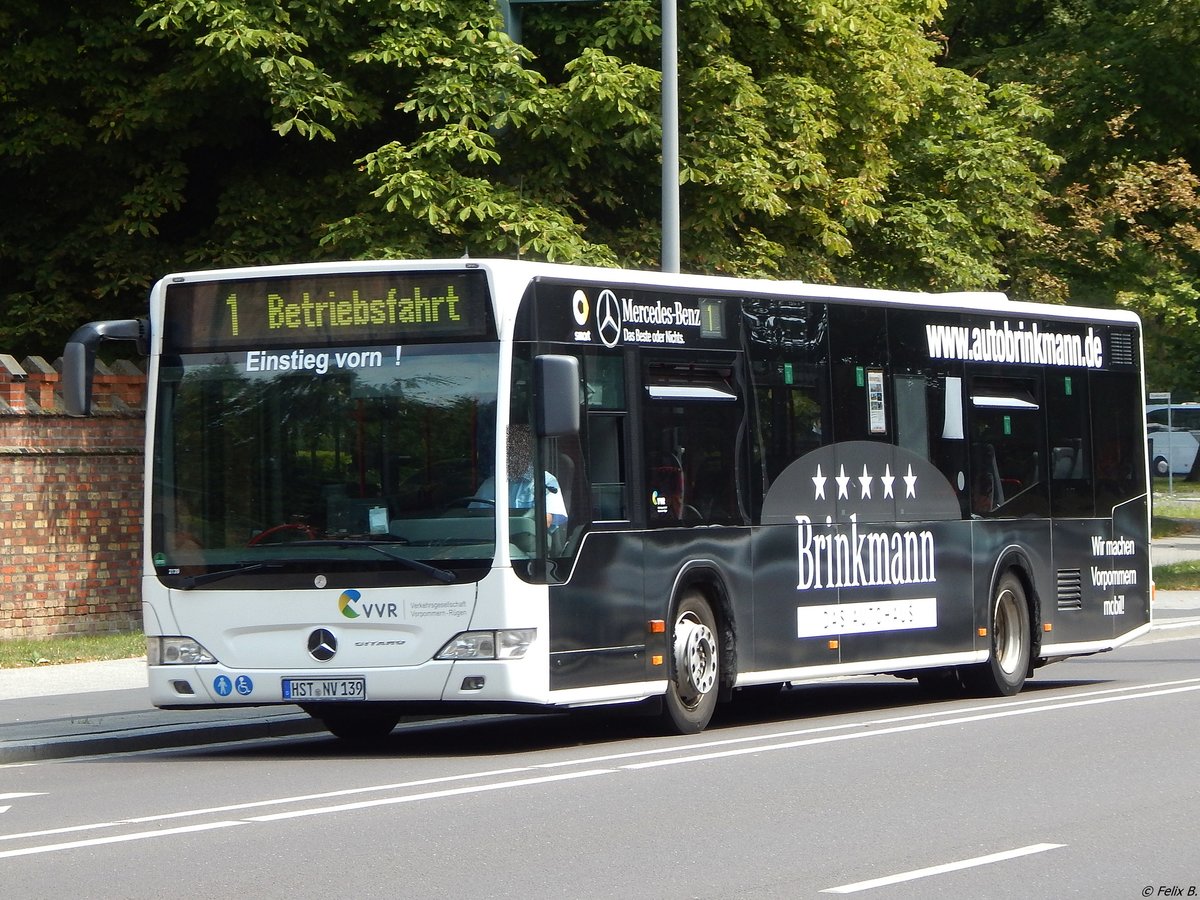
(506, 735)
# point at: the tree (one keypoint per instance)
(820, 140)
(1124, 215)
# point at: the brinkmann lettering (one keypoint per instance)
(861, 559)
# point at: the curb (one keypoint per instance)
(1172, 629)
(157, 737)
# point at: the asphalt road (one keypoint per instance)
(1087, 784)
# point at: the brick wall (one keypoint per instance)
(70, 503)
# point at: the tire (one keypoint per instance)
(1161, 467)
(358, 726)
(1003, 675)
(695, 667)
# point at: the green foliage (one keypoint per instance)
(820, 139)
(1123, 218)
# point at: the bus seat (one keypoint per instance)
(1064, 462)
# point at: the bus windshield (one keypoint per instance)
(348, 459)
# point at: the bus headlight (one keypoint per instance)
(176, 651)
(511, 643)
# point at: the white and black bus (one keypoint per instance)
(711, 484)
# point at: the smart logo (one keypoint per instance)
(350, 607)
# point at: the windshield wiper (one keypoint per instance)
(193, 581)
(380, 545)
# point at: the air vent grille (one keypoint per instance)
(1070, 589)
(1120, 344)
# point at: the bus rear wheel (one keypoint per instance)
(695, 674)
(1003, 675)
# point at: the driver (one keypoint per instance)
(521, 481)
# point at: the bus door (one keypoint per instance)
(694, 453)
(884, 563)
(598, 613)
(902, 562)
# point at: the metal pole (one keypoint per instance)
(511, 14)
(1170, 451)
(670, 138)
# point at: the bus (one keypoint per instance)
(1171, 431)
(1178, 415)
(385, 488)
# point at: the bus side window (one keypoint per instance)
(1117, 430)
(912, 415)
(605, 436)
(1070, 445)
(693, 422)
(605, 427)
(1007, 444)
(858, 342)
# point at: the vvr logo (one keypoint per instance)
(350, 606)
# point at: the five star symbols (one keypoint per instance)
(865, 480)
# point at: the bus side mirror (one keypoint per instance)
(79, 358)
(556, 395)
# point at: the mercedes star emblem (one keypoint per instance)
(608, 318)
(322, 645)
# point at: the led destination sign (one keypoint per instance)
(327, 310)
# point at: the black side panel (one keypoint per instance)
(598, 618)
(599, 621)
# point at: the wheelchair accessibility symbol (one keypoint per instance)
(243, 684)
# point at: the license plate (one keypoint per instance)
(324, 689)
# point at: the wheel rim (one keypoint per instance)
(1008, 637)
(695, 659)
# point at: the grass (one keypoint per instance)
(1181, 576)
(18, 654)
(1182, 503)
(1177, 513)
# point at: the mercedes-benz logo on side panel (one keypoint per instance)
(608, 318)
(322, 645)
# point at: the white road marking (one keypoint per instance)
(187, 829)
(1011, 707)
(942, 869)
(431, 795)
(115, 839)
(4, 809)
(729, 747)
(869, 732)
(257, 804)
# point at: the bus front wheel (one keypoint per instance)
(1003, 675)
(354, 725)
(695, 666)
